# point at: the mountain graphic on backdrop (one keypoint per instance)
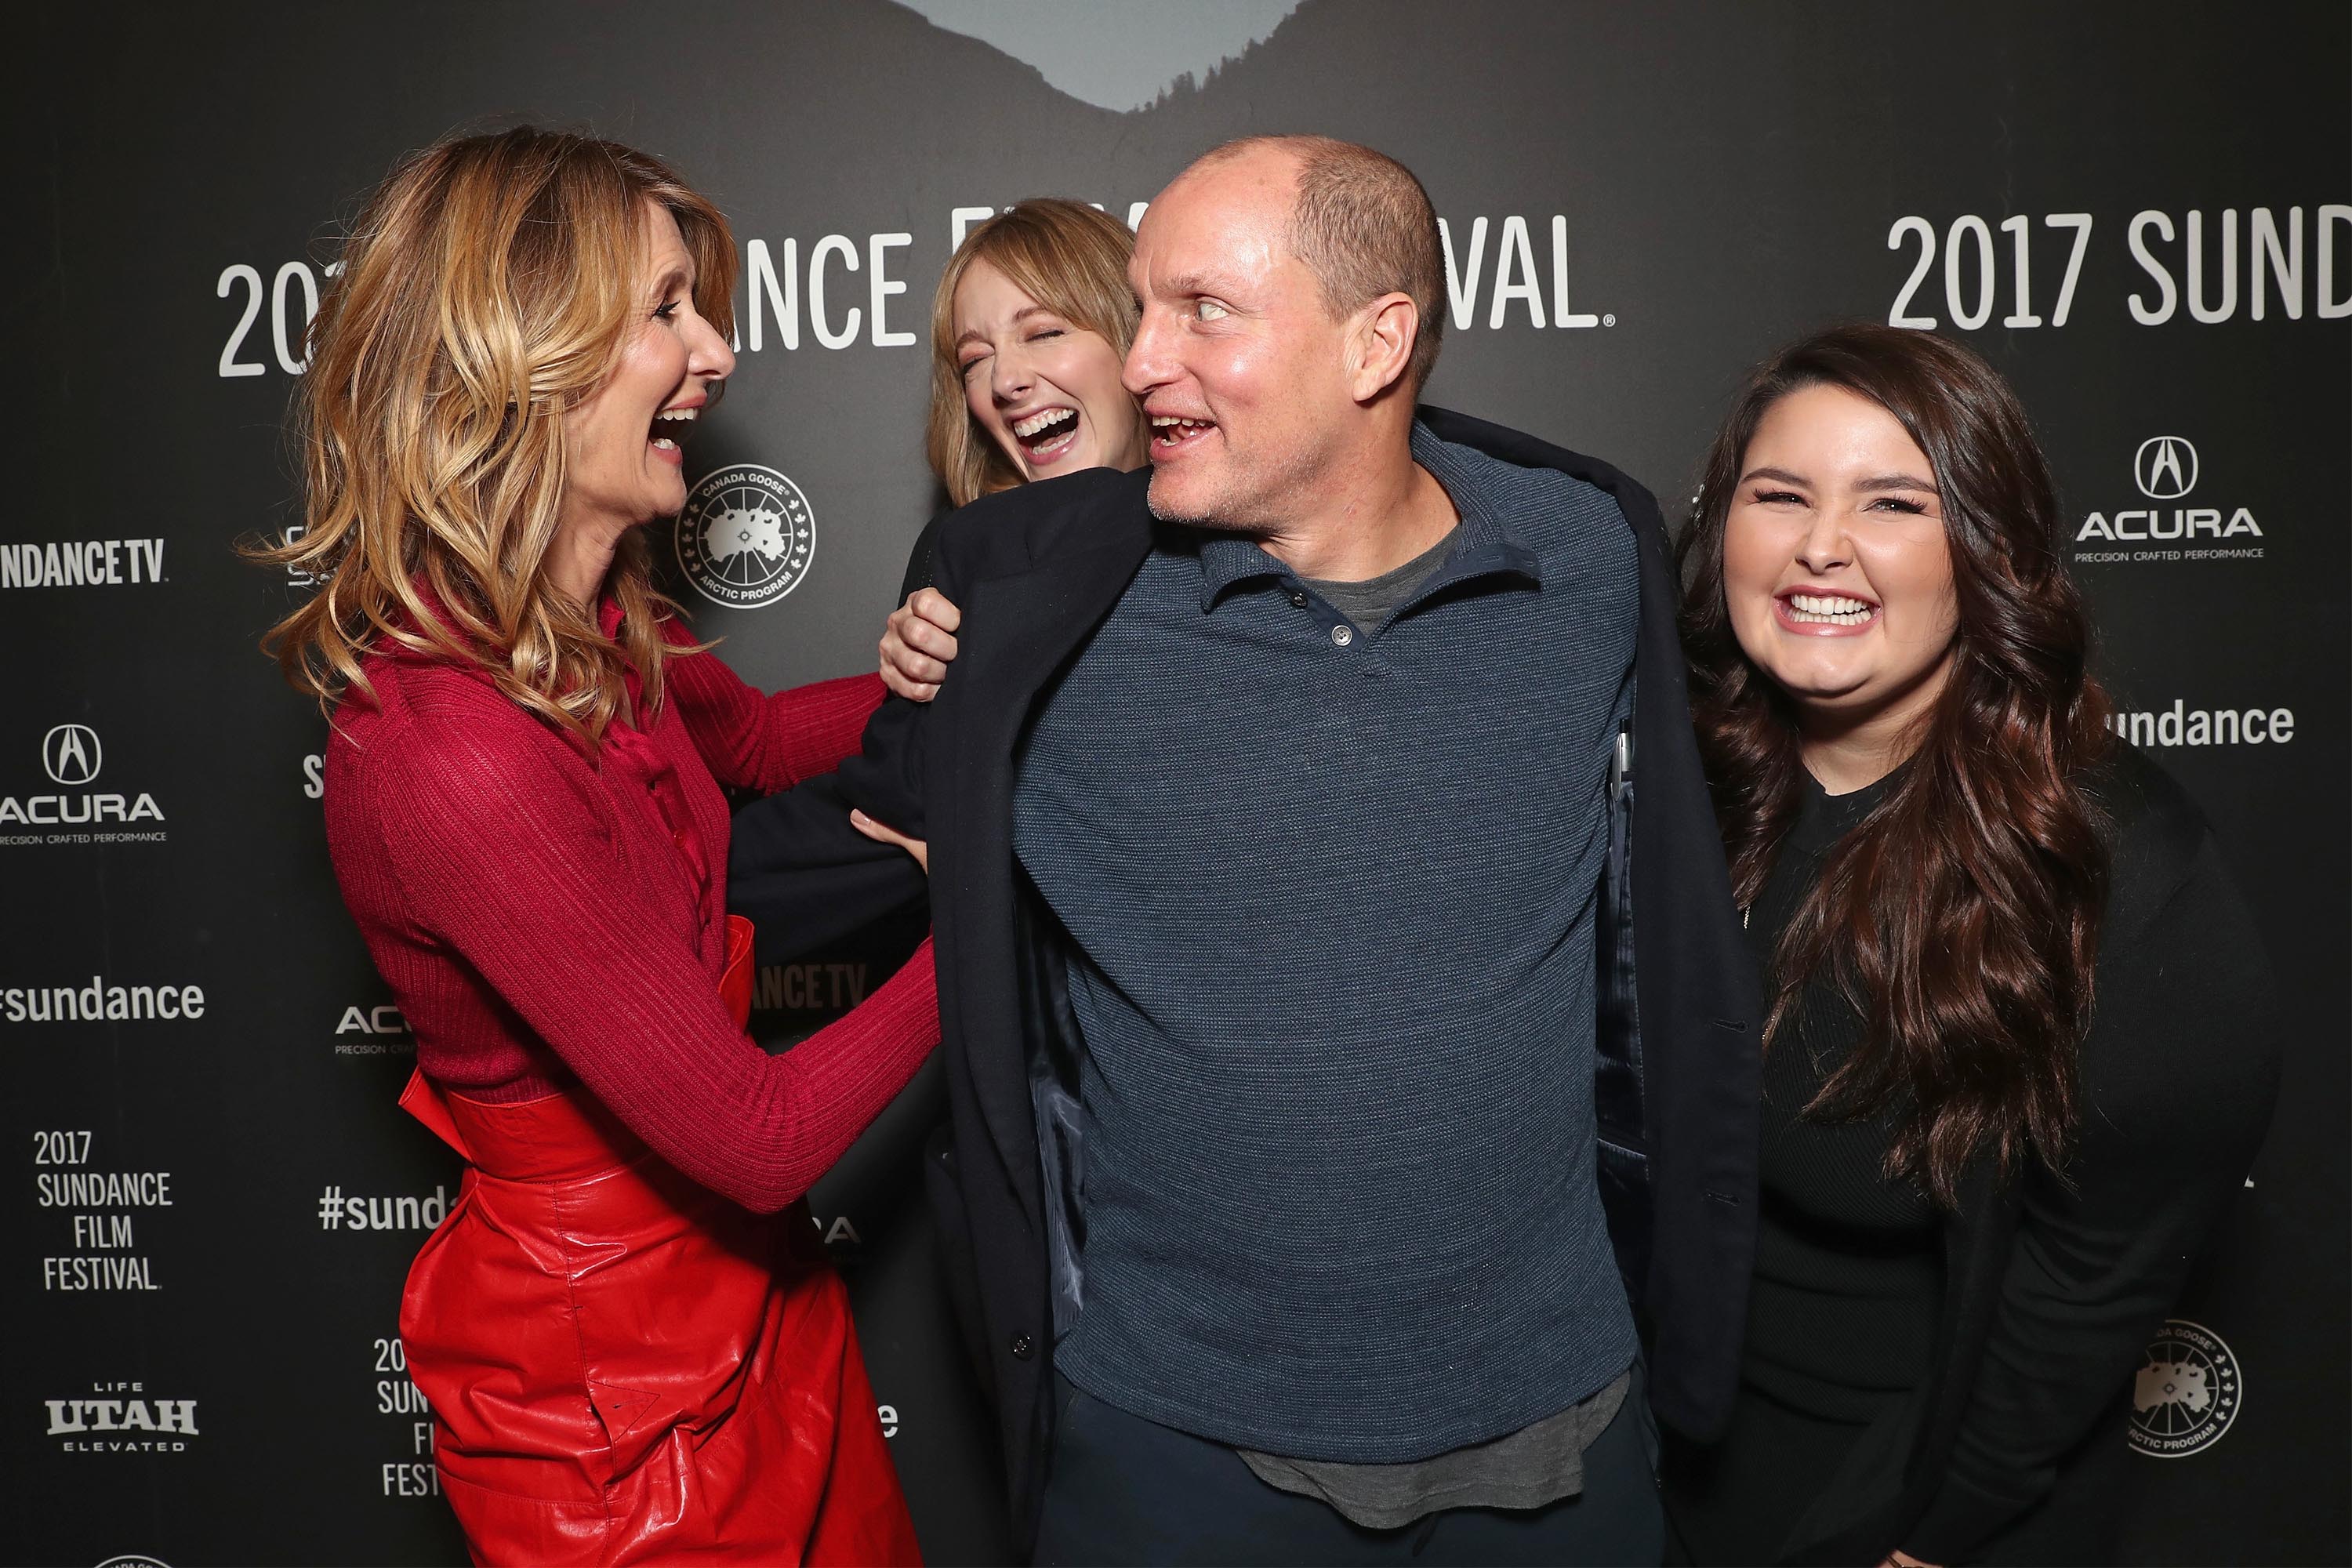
(1120, 55)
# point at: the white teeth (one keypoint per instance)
(665, 444)
(687, 413)
(1829, 609)
(1043, 419)
(1170, 428)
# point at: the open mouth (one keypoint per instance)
(1047, 433)
(1825, 612)
(1170, 432)
(670, 429)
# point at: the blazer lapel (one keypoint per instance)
(1021, 628)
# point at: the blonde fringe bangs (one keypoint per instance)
(1069, 257)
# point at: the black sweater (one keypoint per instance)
(2009, 1445)
(1849, 1264)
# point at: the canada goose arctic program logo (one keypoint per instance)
(2187, 1392)
(746, 536)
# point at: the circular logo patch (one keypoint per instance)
(72, 753)
(2187, 1394)
(2165, 468)
(746, 536)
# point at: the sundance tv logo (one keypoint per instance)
(72, 757)
(82, 563)
(2187, 1394)
(2165, 468)
(746, 537)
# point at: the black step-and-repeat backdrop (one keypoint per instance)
(2142, 212)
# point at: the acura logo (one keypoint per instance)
(71, 754)
(2166, 467)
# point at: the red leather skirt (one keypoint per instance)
(626, 1367)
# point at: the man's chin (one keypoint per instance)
(1182, 504)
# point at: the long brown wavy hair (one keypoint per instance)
(486, 291)
(1961, 918)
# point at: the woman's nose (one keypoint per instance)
(1825, 544)
(1008, 377)
(710, 356)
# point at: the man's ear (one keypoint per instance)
(1381, 345)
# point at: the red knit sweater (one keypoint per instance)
(540, 916)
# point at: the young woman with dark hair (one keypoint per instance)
(2017, 1054)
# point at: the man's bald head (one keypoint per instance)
(1361, 223)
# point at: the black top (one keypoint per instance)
(2010, 1444)
(1849, 1266)
(1034, 568)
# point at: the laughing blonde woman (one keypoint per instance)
(631, 1341)
(1029, 330)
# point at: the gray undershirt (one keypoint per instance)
(1530, 1468)
(1371, 603)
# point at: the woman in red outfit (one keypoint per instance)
(630, 1354)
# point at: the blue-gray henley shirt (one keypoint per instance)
(1331, 891)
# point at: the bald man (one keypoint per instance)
(1353, 1096)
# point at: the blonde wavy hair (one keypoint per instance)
(488, 289)
(1070, 259)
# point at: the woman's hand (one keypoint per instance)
(918, 847)
(918, 643)
(1905, 1560)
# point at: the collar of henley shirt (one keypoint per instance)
(1483, 547)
